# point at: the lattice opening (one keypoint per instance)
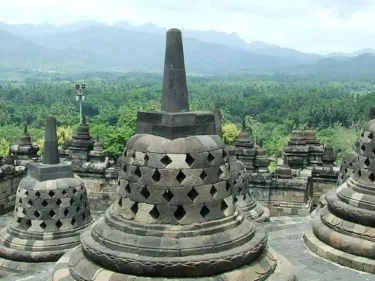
(19, 220)
(193, 194)
(363, 148)
(224, 155)
(179, 213)
(166, 160)
(73, 221)
(78, 209)
(220, 172)
(74, 191)
(359, 173)
(227, 186)
(146, 158)
(83, 217)
(133, 155)
(43, 225)
(71, 202)
(36, 214)
(168, 195)
(235, 200)
(134, 208)
(20, 201)
(66, 212)
(363, 134)
(44, 203)
(24, 211)
(137, 172)
(51, 193)
(156, 176)
(58, 202)
(125, 168)
(64, 192)
(154, 213)
(224, 206)
(213, 191)
(189, 160)
(37, 194)
(145, 193)
(52, 213)
(81, 198)
(371, 136)
(371, 177)
(367, 162)
(203, 175)
(120, 202)
(26, 193)
(204, 211)
(127, 188)
(180, 177)
(210, 157)
(59, 224)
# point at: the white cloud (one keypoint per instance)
(308, 25)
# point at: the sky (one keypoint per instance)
(315, 26)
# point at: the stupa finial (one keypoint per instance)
(51, 153)
(175, 94)
(243, 125)
(25, 130)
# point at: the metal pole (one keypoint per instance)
(80, 109)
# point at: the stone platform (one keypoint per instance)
(285, 236)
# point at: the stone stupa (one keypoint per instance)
(50, 213)
(174, 217)
(343, 230)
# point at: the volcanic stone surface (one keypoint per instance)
(344, 229)
(50, 212)
(174, 217)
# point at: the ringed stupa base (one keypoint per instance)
(74, 260)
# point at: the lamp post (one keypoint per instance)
(80, 97)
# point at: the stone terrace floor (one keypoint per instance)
(285, 236)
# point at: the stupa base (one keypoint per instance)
(252, 272)
(337, 256)
(8, 267)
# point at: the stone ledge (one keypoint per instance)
(327, 252)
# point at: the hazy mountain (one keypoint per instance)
(232, 40)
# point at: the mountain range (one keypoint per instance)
(96, 46)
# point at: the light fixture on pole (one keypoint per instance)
(80, 97)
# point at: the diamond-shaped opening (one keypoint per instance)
(27, 193)
(168, 195)
(363, 148)
(235, 200)
(363, 134)
(179, 213)
(58, 202)
(44, 203)
(180, 177)
(19, 220)
(137, 172)
(52, 213)
(134, 208)
(210, 157)
(120, 201)
(24, 211)
(371, 136)
(239, 190)
(346, 170)
(203, 175)
(78, 209)
(224, 206)
(220, 172)
(367, 162)
(156, 176)
(59, 224)
(125, 168)
(43, 225)
(193, 194)
(83, 217)
(133, 155)
(227, 186)
(37, 194)
(66, 212)
(51, 193)
(224, 155)
(81, 198)
(154, 213)
(73, 221)
(166, 160)
(204, 211)
(189, 160)
(71, 202)
(64, 192)
(127, 188)
(359, 173)
(213, 191)
(74, 190)
(145, 193)
(371, 177)
(146, 158)
(20, 201)
(36, 214)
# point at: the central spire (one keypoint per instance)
(175, 94)
(51, 153)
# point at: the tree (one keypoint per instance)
(230, 133)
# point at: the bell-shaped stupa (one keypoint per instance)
(50, 213)
(174, 217)
(344, 228)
